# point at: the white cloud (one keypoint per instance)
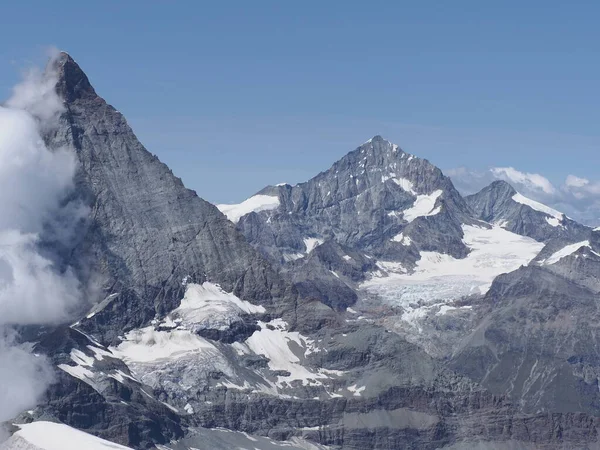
(575, 181)
(23, 378)
(532, 181)
(34, 181)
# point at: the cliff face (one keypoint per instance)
(499, 203)
(147, 232)
(365, 199)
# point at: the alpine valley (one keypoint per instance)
(370, 307)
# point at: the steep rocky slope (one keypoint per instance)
(536, 339)
(364, 200)
(501, 204)
(146, 231)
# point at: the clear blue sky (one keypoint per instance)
(235, 95)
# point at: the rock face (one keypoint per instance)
(364, 200)
(268, 327)
(536, 340)
(147, 232)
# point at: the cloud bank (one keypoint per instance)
(34, 182)
(577, 197)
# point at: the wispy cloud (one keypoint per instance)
(532, 181)
(34, 181)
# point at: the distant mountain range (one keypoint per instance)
(370, 307)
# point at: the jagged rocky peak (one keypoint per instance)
(500, 187)
(146, 232)
(73, 83)
(364, 200)
(379, 161)
(500, 204)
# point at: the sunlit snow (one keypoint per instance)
(553, 221)
(285, 351)
(439, 278)
(208, 306)
(147, 345)
(57, 436)
(311, 243)
(565, 251)
(424, 205)
(404, 240)
(253, 204)
(404, 183)
(538, 206)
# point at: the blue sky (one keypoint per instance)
(236, 95)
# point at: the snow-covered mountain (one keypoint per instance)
(369, 307)
(366, 200)
(500, 204)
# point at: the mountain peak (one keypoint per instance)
(503, 186)
(378, 143)
(72, 82)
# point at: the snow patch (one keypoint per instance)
(356, 391)
(312, 243)
(287, 257)
(553, 221)
(445, 308)
(404, 240)
(286, 351)
(206, 305)
(439, 279)
(424, 205)
(57, 436)
(538, 206)
(404, 183)
(147, 345)
(253, 204)
(565, 251)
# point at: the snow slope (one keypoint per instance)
(439, 278)
(253, 204)
(565, 251)
(55, 436)
(311, 243)
(538, 207)
(206, 305)
(424, 205)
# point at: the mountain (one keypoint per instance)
(536, 337)
(499, 203)
(378, 201)
(365, 200)
(145, 238)
(146, 231)
(371, 307)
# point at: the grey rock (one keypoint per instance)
(115, 408)
(495, 204)
(537, 338)
(146, 231)
(360, 202)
